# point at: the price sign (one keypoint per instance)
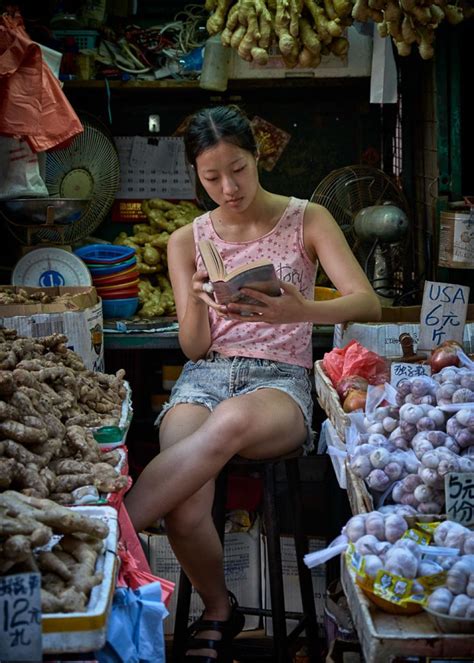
(20, 617)
(400, 370)
(443, 314)
(459, 493)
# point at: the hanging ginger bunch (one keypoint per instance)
(304, 30)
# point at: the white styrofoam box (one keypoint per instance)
(87, 631)
(356, 63)
(383, 336)
(336, 449)
(82, 322)
(241, 566)
(118, 436)
(291, 585)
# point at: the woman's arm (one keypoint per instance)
(191, 306)
(325, 242)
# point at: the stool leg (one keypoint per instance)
(182, 616)
(301, 549)
(272, 530)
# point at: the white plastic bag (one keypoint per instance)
(20, 173)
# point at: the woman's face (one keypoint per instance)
(229, 175)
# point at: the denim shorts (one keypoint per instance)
(212, 380)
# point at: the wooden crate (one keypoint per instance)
(383, 636)
(360, 499)
(329, 400)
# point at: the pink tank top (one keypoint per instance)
(283, 245)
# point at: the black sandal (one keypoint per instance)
(228, 630)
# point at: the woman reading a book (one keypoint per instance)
(246, 388)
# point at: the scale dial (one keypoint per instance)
(48, 267)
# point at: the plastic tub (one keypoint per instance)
(112, 269)
(106, 254)
(124, 293)
(114, 279)
(449, 624)
(119, 308)
(117, 286)
(323, 294)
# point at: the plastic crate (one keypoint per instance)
(82, 38)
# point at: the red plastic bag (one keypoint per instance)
(32, 103)
(130, 575)
(355, 359)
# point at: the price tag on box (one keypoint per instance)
(459, 493)
(443, 314)
(20, 622)
(400, 370)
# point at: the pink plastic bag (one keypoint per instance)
(355, 359)
(32, 104)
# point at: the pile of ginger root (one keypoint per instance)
(68, 568)
(305, 30)
(150, 240)
(48, 402)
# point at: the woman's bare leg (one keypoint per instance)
(264, 424)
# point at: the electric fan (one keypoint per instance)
(87, 171)
(372, 212)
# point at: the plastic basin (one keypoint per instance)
(106, 270)
(114, 279)
(105, 254)
(119, 308)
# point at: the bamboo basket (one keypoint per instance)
(360, 499)
(328, 399)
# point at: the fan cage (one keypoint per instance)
(344, 192)
(93, 152)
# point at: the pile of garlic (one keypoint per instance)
(456, 597)
(408, 449)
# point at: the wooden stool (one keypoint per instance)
(282, 641)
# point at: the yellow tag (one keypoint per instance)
(421, 537)
(431, 582)
(354, 560)
(395, 589)
(428, 527)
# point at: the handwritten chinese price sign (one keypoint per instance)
(459, 492)
(400, 371)
(20, 617)
(443, 314)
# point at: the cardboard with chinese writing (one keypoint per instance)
(443, 314)
(20, 622)
(400, 370)
(459, 494)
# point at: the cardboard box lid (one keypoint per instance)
(408, 314)
(82, 297)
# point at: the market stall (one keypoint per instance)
(65, 533)
(400, 436)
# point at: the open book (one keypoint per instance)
(259, 275)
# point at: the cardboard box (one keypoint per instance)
(357, 63)
(241, 565)
(291, 586)
(79, 318)
(382, 337)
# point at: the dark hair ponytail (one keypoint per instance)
(207, 127)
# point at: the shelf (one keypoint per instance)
(322, 340)
(234, 85)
